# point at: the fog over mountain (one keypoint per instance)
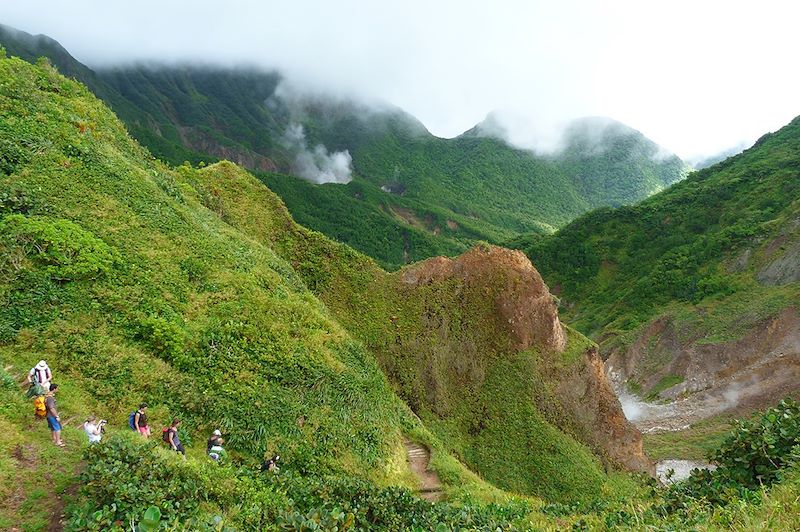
(667, 69)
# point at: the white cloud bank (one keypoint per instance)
(697, 77)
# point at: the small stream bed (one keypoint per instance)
(681, 468)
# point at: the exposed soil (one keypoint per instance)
(408, 216)
(741, 376)
(419, 458)
(523, 301)
(25, 457)
(56, 523)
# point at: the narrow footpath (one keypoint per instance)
(419, 458)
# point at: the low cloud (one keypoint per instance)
(591, 135)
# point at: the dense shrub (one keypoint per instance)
(66, 251)
(393, 508)
(754, 456)
(124, 477)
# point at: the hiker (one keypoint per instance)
(271, 464)
(40, 375)
(138, 421)
(171, 437)
(53, 419)
(216, 452)
(215, 437)
(39, 408)
(94, 429)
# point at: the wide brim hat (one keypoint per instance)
(42, 364)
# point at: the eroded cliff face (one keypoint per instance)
(586, 392)
(521, 300)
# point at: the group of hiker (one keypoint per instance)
(43, 391)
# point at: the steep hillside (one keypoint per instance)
(194, 290)
(695, 290)
(113, 271)
(613, 164)
(413, 195)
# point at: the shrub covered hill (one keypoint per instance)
(194, 290)
(694, 290)
(412, 195)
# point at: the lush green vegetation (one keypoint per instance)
(393, 229)
(755, 455)
(194, 290)
(615, 165)
(132, 290)
(136, 282)
(701, 243)
(202, 495)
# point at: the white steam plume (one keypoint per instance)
(313, 164)
(317, 165)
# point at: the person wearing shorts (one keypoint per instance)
(53, 419)
(140, 421)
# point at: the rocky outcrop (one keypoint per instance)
(523, 302)
(587, 394)
(201, 142)
(516, 304)
(784, 269)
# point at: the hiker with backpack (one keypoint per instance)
(40, 375)
(138, 421)
(170, 435)
(53, 419)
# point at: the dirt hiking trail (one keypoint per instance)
(418, 458)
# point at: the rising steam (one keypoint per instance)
(317, 165)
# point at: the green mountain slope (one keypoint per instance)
(444, 194)
(613, 164)
(114, 272)
(714, 258)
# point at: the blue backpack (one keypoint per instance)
(132, 420)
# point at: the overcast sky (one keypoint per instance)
(696, 76)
